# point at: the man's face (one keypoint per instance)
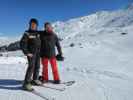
(49, 27)
(33, 26)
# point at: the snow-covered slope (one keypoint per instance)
(100, 61)
(95, 23)
(6, 40)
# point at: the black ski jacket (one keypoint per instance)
(30, 42)
(49, 41)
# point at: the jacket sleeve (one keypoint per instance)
(58, 45)
(24, 43)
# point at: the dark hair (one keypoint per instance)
(33, 20)
(47, 23)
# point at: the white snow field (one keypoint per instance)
(101, 60)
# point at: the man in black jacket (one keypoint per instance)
(30, 45)
(49, 41)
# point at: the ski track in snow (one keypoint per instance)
(95, 75)
(99, 72)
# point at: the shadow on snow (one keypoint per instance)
(11, 84)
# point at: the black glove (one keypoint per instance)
(59, 57)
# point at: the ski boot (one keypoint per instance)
(28, 87)
(36, 82)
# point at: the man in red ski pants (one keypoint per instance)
(49, 41)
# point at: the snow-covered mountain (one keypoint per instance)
(100, 60)
(96, 23)
(6, 40)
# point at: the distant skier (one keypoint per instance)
(30, 45)
(49, 41)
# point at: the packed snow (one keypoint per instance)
(100, 60)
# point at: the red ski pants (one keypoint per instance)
(54, 68)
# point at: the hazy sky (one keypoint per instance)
(15, 14)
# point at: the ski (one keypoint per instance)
(41, 96)
(68, 83)
(53, 88)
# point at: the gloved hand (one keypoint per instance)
(59, 57)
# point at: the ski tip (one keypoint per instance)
(73, 81)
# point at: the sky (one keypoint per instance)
(15, 14)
